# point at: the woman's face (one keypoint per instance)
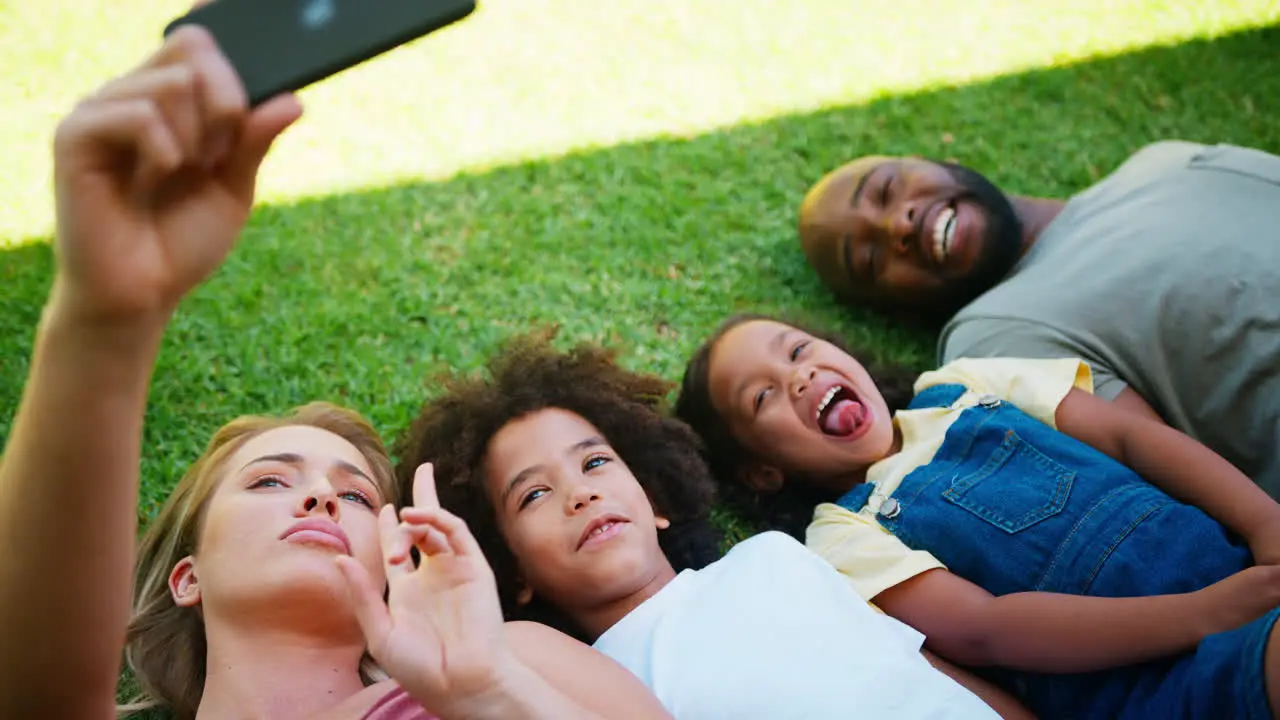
(288, 502)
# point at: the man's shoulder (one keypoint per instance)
(1152, 162)
(1167, 151)
(1014, 302)
(1170, 169)
(1157, 157)
(989, 327)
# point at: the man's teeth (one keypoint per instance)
(601, 529)
(826, 400)
(944, 229)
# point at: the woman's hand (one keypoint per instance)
(154, 177)
(440, 634)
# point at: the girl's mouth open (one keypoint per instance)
(842, 414)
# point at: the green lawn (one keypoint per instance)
(626, 169)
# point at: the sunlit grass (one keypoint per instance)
(535, 78)
(359, 296)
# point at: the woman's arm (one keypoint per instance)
(1055, 633)
(572, 680)
(146, 209)
(1179, 465)
(1006, 705)
(68, 508)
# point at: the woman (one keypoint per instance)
(261, 584)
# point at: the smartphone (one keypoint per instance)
(284, 45)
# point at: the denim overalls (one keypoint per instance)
(1013, 505)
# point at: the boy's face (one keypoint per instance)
(578, 523)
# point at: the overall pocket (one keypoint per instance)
(1017, 487)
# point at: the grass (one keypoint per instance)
(626, 170)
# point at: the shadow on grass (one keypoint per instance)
(355, 298)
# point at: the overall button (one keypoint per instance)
(989, 401)
(889, 509)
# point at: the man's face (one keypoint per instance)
(909, 233)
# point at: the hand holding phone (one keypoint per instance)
(154, 176)
(280, 46)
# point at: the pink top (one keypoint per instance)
(397, 705)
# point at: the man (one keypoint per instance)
(1164, 277)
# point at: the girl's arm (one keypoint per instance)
(1055, 633)
(148, 203)
(1130, 401)
(1179, 465)
(1005, 705)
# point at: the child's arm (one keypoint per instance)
(1055, 633)
(1005, 705)
(1179, 465)
(1130, 401)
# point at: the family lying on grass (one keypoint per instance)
(543, 549)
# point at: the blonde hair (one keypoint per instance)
(165, 644)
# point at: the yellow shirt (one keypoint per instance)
(871, 558)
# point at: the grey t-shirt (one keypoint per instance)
(1164, 276)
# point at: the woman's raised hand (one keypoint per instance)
(154, 178)
(440, 633)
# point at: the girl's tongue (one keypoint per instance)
(843, 417)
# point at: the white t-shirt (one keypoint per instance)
(773, 631)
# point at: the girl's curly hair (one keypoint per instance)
(791, 508)
(453, 432)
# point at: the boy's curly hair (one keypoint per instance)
(453, 432)
(791, 508)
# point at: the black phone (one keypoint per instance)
(284, 45)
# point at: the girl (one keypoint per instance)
(998, 514)
(574, 483)
(261, 584)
